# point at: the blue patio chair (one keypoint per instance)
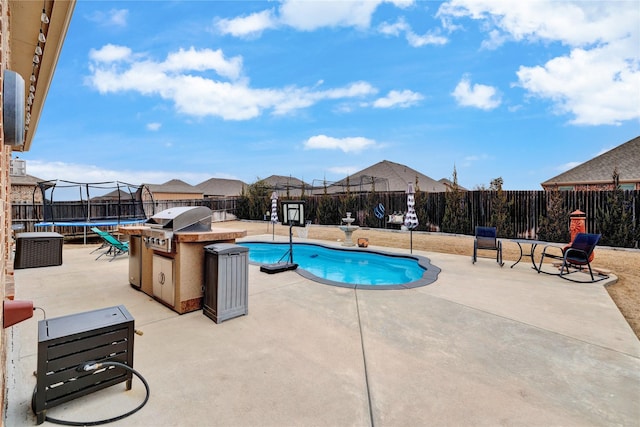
(487, 239)
(576, 255)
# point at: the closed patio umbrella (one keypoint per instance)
(274, 212)
(411, 219)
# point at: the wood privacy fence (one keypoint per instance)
(526, 208)
(25, 216)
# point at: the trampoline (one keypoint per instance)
(96, 204)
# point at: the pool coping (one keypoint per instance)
(429, 276)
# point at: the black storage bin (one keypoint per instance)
(38, 250)
(225, 281)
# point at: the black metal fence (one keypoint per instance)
(526, 209)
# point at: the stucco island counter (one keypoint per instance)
(174, 278)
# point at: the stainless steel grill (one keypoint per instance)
(164, 224)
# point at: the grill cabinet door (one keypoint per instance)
(164, 279)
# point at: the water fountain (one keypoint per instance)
(348, 230)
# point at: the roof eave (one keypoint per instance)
(25, 28)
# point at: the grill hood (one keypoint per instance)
(187, 218)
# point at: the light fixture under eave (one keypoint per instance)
(41, 37)
(38, 50)
(13, 108)
(36, 59)
(44, 18)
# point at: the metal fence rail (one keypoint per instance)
(526, 208)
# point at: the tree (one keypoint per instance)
(500, 209)
(348, 202)
(369, 218)
(255, 201)
(326, 211)
(554, 227)
(422, 198)
(615, 219)
(455, 213)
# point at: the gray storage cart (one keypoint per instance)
(225, 281)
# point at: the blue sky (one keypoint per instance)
(148, 91)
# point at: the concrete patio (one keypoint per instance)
(483, 345)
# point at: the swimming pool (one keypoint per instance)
(353, 268)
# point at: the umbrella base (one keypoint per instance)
(278, 267)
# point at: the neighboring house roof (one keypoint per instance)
(174, 186)
(387, 176)
(625, 158)
(219, 187)
(281, 183)
(25, 180)
(449, 184)
(113, 195)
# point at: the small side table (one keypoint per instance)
(533, 245)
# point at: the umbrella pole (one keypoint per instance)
(411, 241)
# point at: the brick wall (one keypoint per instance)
(25, 194)
(6, 269)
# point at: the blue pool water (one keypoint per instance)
(347, 267)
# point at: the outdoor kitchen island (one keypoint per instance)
(173, 273)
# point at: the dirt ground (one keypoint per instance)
(624, 263)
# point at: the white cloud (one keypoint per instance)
(110, 53)
(311, 15)
(566, 166)
(202, 60)
(154, 126)
(307, 16)
(596, 86)
(347, 145)
(251, 25)
(118, 17)
(597, 81)
(415, 40)
(114, 17)
(478, 95)
(470, 160)
(402, 99)
(572, 23)
(200, 95)
(87, 173)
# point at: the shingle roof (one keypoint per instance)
(174, 186)
(449, 183)
(115, 195)
(220, 187)
(625, 158)
(280, 184)
(25, 180)
(388, 176)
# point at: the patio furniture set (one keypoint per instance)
(576, 256)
